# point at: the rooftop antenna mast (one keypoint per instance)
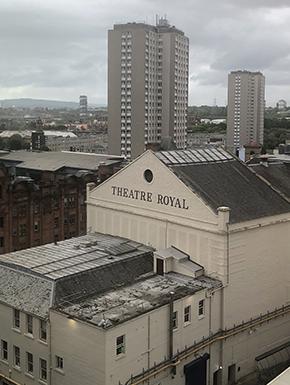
(156, 20)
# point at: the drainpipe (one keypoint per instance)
(149, 344)
(171, 325)
(228, 253)
(49, 367)
(223, 296)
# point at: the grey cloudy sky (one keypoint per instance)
(57, 49)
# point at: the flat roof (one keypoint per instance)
(53, 161)
(123, 303)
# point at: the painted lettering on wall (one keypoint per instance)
(166, 200)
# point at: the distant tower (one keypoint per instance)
(83, 107)
(246, 106)
(37, 137)
(147, 86)
(281, 105)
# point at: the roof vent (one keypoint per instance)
(86, 244)
(77, 247)
(264, 160)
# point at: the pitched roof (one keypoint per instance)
(277, 174)
(220, 179)
(71, 269)
(253, 144)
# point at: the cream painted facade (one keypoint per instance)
(146, 342)
(17, 372)
(78, 350)
(249, 257)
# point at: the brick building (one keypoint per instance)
(35, 214)
(42, 200)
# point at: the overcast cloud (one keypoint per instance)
(57, 49)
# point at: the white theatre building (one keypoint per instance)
(210, 206)
(183, 279)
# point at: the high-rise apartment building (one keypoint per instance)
(246, 105)
(83, 105)
(147, 86)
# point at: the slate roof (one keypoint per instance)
(34, 279)
(25, 292)
(277, 174)
(222, 180)
(252, 144)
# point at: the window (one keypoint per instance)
(14, 231)
(72, 219)
(36, 242)
(16, 355)
(120, 348)
(42, 335)
(59, 362)
(187, 314)
(14, 211)
(56, 204)
(65, 202)
(65, 220)
(175, 319)
(2, 242)
(82, 217)
(201, 307)
(56, 222)
(43, 369)
(22, 211)
(22, 229)
(1, 221)
(36, 207)
(82, 199)
(29, 358)
(29, 320)
(36, 226)
(16, 321)
(4, 349)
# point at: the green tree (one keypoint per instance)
(44, 148)
(15, 142)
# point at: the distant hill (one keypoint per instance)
(32, 103)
